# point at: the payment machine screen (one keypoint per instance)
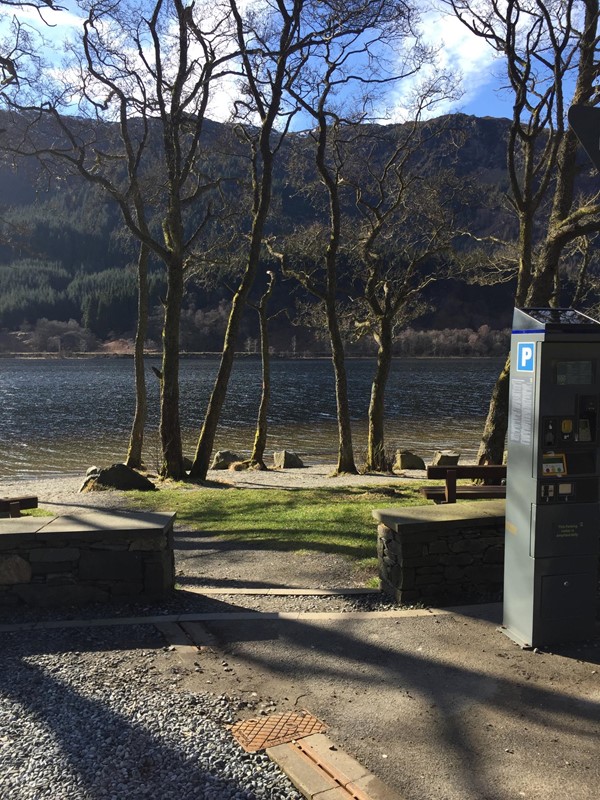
(570, 373)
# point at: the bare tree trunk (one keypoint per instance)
(260, 438)
(491, 448)
(170, 426)
(136, 439)
(345, 462)
(217, 398)
(376, 461)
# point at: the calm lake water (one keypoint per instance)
(60, 416)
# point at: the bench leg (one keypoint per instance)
(451, 486)
(14, 509)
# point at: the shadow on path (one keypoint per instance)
(106, 736)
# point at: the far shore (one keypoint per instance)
(213, 356)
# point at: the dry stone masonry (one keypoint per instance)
(443, 554)
(87, 557)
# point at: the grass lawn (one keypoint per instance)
(332, 520)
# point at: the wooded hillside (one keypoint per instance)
(64, 255)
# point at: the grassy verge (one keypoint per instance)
(329, 520)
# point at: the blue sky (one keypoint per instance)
(460, 52)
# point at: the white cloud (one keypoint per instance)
(46, 19)
(460, 54)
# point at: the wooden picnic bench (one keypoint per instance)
(12, 506)
(451, 491)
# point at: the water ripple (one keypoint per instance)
(60, 416)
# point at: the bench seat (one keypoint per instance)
(12, 506)
(466, 492)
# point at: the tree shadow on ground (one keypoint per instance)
(228, 541)
(454, 698)
(109, 751)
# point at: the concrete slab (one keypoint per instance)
(320, 770)
(323, 749)
(300, 771)
(226, 617)
(331, 794)
(113, 521)
(283, 592)
(10, 525)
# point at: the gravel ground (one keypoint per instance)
(98, 715)
(89, 714)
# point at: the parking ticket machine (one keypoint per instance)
(553, 478)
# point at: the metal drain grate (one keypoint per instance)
(258, 734)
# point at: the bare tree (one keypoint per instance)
(19, 49)
(279, 44)
(549, 49)
(152, 74)
(341, 153)
(404, 245)
(134, 458)
(260, 437)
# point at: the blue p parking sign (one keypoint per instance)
(525, 356)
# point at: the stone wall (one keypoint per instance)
(89, 557)
(444, 554)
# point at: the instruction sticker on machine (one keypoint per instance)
(521, 410)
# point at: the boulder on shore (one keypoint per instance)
(445, 458)
(117, 476)
(224, 458)
(406, 460)
(240, 466)
(285, 459)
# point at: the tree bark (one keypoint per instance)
(262, 191)
(170, 426)
(491, 447)
(217, 398)
(260, 438)
(345, 462)
(136, 439)
(376, 461)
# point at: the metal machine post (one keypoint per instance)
(553, 478)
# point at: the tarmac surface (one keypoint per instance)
(437, 704)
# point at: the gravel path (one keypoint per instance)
(61, 494)
(99, 715)
(102, 713)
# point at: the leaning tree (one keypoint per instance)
(280, 46)
(550, 52)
